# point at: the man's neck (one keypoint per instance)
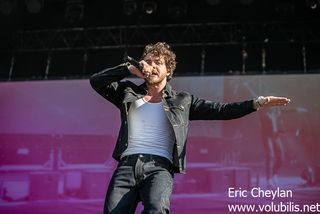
(155, 92)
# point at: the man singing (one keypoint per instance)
(151, 144)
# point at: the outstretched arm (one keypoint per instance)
(201, 109)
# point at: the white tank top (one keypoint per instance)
(149, 130)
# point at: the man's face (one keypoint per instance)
(159, 70)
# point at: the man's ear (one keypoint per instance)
(168, 74)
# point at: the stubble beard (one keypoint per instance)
(155, 81)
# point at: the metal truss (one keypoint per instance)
(190, 34)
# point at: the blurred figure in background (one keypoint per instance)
(272, 129)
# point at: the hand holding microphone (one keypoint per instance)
(140, 68)
(135, 63)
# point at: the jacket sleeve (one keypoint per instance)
(107, 83)
(201, 109)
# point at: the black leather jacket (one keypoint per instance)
(180, 107)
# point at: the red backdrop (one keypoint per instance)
(56, 140)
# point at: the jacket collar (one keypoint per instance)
(167, 91)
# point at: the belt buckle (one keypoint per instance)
(142, 157)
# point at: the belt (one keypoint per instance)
(159, 160)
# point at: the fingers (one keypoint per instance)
(279, 100)
(147, 69)
(144, 73)
(276, 101)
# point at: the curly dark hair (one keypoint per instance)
(162, 49)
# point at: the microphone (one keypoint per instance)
(135, 63)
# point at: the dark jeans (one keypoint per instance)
(146, 178)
